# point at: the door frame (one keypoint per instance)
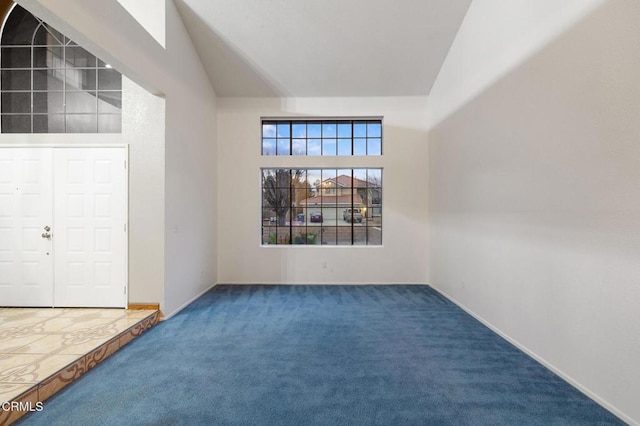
(126, 200)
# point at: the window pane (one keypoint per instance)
(16, 102)
(329, 147)
(328, 211)
(374, 129)
(374, 146)
(110, 102)
(81, 102)
(16, 123)
(283, 236)
(80, 79)
(374, 235)
(283, 130)
(77, 57)
(301, 195)
(344, 146)
(48, 102)
(329, 129)
(284, 147)
(359, 147)
(344, 236)
(299, 147)
(19, 27)
(314, 147)
(268, 147)
(109, 79)
(48, 79)
(16, 80)
(314, 130)
(359, 129)
(360, 235)
(374, 177)
(109, 123)
(299, 130)
(329, 235)
(360, 177)
(344, 130)
(268, 130)
(81, 123)
(16, 57)
(48, 57)
(328, 174)
(268, 235)
(50, 123)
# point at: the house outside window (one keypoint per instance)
(328, 206)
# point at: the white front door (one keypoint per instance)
(26, 218)
(90, 236)
(63, 237)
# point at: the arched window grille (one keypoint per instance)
(49, 84)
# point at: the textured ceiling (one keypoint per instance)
(261, 48)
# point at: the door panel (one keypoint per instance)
(26, 200)
(90, 239)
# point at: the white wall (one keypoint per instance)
(143, 119)
(401, 258)
(151, 15)
(534, 190)
(146, 183)
(107, 29)
(190, 204)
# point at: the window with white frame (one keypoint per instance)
(333, 206)
(49, 84)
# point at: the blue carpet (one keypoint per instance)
(321, 355)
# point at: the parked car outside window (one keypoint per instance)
(316, 217)
(355, 216)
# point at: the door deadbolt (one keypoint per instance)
(46, 228)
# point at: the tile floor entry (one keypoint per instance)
(44, 349)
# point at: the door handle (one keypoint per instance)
(46, 235)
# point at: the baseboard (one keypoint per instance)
(315, 283)
(188, 302)
(144, 306)
(576, 384)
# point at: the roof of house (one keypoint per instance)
(335, 200)
(347, 181)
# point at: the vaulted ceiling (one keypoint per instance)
(258, 48)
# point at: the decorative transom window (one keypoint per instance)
(322, 137)
(49, 84)
(322, 206)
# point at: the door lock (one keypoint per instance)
(46, 228)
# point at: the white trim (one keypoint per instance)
(351, 284)
(66, 145)
(321, 118)
(188, 302)
(579, 386)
